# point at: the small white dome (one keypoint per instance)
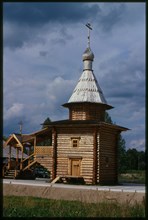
(88, 55)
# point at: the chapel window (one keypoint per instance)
(75, 142)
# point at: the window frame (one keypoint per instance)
(77, 142)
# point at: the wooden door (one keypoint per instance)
(75, 167)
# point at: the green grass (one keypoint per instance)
(14, 206)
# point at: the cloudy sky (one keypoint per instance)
(43, 47)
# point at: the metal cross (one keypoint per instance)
(88, 25)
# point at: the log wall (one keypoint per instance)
(65, 151)
(44, 155)
(98, 157)
(86, 112)
(97, 152)
(107, 156)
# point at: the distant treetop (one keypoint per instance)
(46, 122)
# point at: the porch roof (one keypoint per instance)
(13, 153)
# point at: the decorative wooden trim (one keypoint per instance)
(95, 161)
(43, 150)
(117, 156)
(54, 166)
(74, 157)
(76, 137)
(35, 141)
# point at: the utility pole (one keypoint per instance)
(21, 126)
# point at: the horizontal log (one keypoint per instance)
(107, 149)
(107, 139)
(89, 163)
(88, 136)
(40, 161)
(85, 167)
(70, 154)
(72, 131)
(68, 144)
(108, 172)
(87, 172)
(109, 144)
(75, 149)
(107, 169)
(88, 155)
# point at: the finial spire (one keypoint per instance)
(88, 25)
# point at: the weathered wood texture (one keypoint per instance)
(44, 155)
(95, 158)
(54, 160)
(96, 153)
(65, 151)
(107, 156)
(43, 150)
(85, 111)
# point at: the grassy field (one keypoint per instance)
(133, 176)
(14, 206)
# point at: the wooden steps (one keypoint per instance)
(29, 165)
(44, 161)
(55, 180)
(11, 174)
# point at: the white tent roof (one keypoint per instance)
(87, 89)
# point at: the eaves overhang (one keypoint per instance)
(86, 123)
(105, 106)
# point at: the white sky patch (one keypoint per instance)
(15, 110)
(138, 144)
(59, 90)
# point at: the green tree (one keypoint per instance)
(132, 159)
(46, 122)
(108, 118)
(5, 138)
(122, 159)
(141, 160)
(122, 156)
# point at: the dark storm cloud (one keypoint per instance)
(111, 18)
(40, 13)
(116, 15)
(43, 53)
(123, 92)
(49, 40)
(124, 78)
(25, 22)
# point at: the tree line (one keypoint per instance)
(130, 159)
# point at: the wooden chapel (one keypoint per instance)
(84, 145)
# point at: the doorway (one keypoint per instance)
(75, 167)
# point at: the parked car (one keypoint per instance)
(41, 172)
